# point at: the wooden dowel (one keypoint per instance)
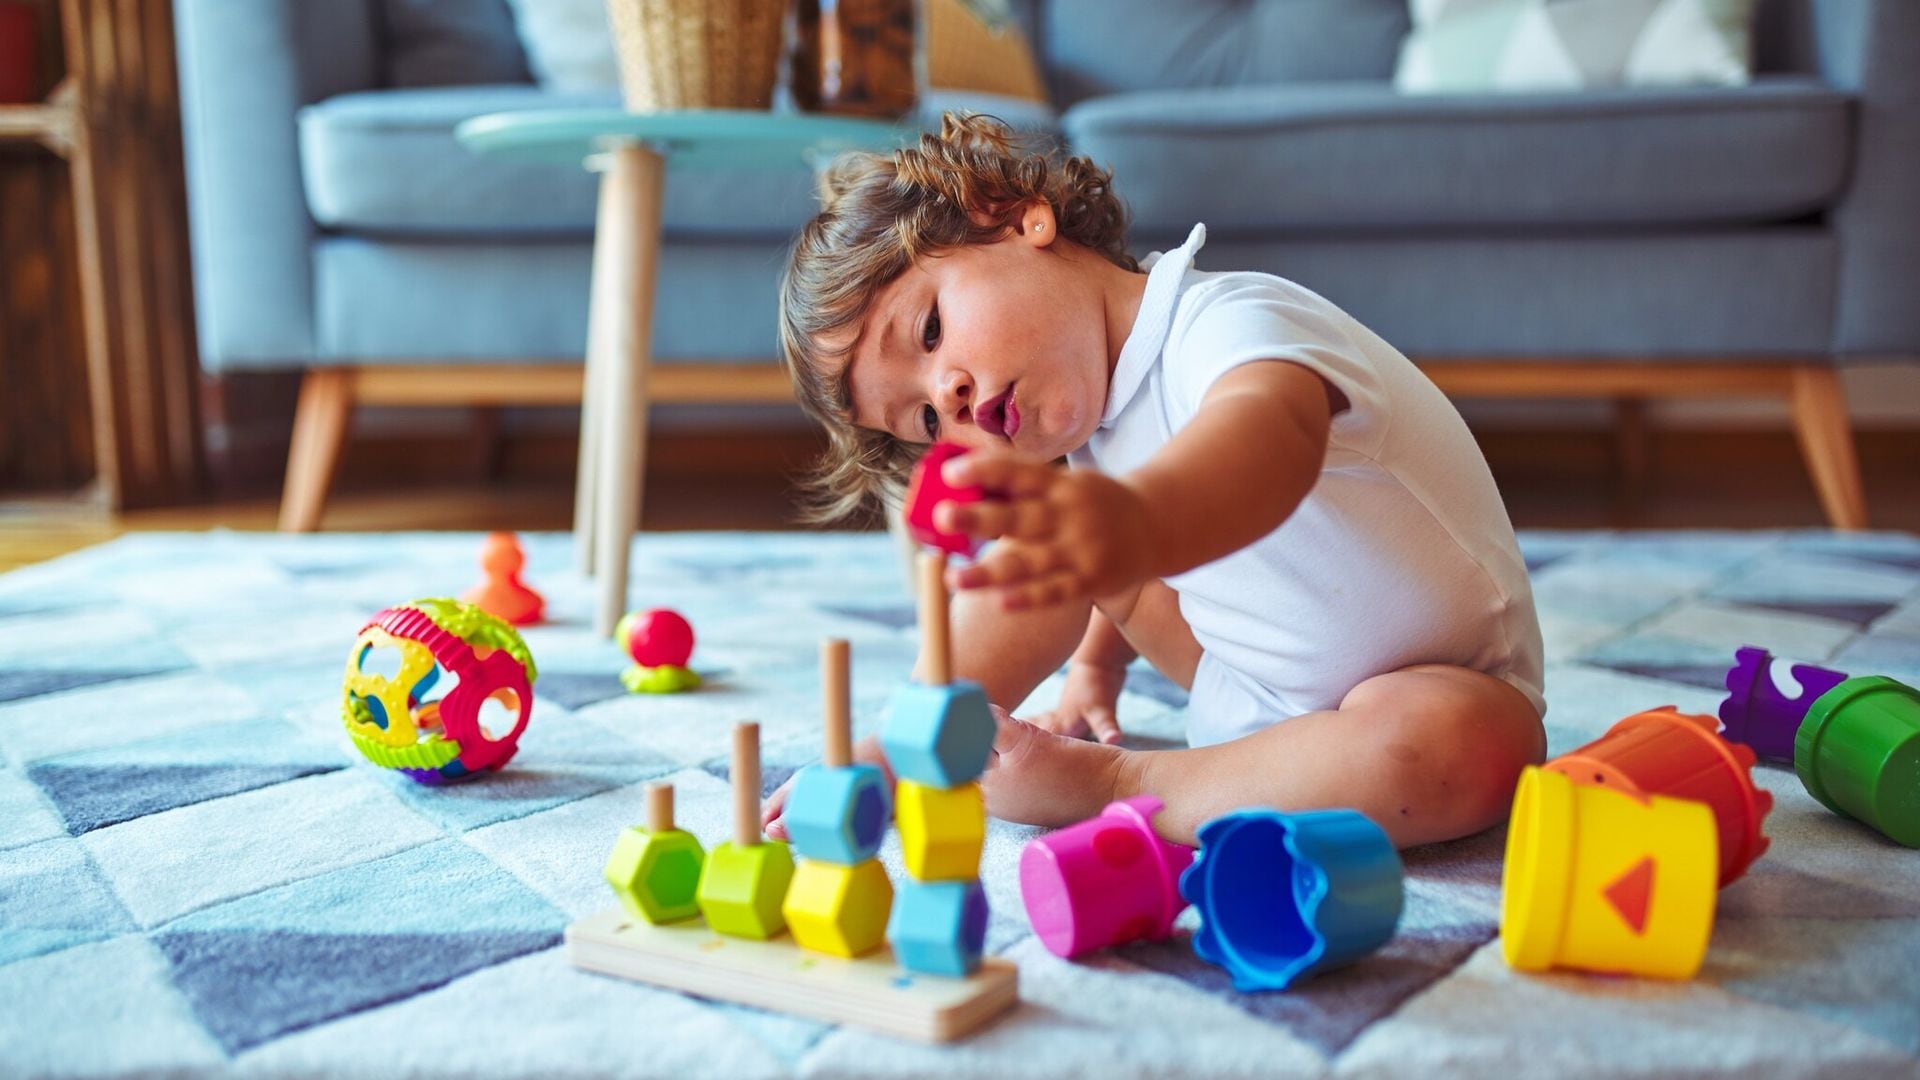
(836, 697)
(937, 663)
(659, 808)
(746, 783)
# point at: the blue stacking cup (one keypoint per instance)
(1283, 897)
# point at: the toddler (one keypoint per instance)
(1266, 500)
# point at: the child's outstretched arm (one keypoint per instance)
(1250, 455)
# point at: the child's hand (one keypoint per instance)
(1065, 534)
(772, 820)
(1088, 703)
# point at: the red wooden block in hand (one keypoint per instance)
(928, 490)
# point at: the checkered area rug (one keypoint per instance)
(198, 876)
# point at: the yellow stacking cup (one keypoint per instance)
(1600, 880)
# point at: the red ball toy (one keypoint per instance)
(655, 638)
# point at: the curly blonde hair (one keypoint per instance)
(967, 184)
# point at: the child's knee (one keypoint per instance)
(1454, 741)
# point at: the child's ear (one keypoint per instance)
(1037, 225)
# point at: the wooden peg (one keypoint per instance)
(746, 783)
(836, 696)
(936, 655)
(659, 808)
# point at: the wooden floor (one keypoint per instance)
(1697, 480)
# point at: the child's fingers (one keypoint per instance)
(1003, 474)
(994, 518)
(1007, 564)
(1061, 722)
(1104, 724)
(1043, 591)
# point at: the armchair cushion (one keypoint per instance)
(1356, 155)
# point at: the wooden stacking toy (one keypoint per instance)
(1601, 880)
(1667, 752)
(937, 740)
(1283, 897)
(1106, 881)
(656, 870)
(836, 816)
(1859, 754)
(500, 592)
(1764, 715)
(744, 884)
(928, 489)
(834, 965)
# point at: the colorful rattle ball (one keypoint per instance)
(397, 725)
(660, 642)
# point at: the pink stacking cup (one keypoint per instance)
(1106, 881)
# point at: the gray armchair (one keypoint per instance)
(1628, 244)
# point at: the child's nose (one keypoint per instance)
(957, 395)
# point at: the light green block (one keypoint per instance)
(742, 889)
(656, 875)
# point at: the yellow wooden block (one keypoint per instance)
(941, 830)
(839, 910)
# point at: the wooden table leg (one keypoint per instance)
(603, 302)
(629, 224)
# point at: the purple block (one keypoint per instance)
(1758, 713)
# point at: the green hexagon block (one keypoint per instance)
(655, 874)
(742, 888)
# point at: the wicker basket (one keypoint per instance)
(697, 54)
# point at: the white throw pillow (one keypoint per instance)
(1478, 45)
(569, 43)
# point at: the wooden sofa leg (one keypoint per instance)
(319, 429)
(1826, 440)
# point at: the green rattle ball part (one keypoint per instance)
(665, 679)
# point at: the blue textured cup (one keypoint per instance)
(1283, 897)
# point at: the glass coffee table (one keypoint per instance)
(635, 153)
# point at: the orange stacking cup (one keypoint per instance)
(1667, 752)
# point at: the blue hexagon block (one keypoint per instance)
(939, 736)
(938, 927)
(838, 815)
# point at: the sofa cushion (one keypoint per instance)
(387, 161)
(1358, 155)
(1477, 45)
(1093, 47)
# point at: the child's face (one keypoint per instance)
(1000, 344)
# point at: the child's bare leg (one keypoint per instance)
(1429, 753)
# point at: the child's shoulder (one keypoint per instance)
(1244, 308)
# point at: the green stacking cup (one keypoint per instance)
(1858, 752)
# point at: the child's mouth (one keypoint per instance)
(1001, 416)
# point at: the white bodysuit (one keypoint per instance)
(1401, 554)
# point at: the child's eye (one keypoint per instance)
(930, 418)
(930, 334)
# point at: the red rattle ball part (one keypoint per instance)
(928, 490)
(658, 637)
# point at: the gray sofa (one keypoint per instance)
(1625, 244)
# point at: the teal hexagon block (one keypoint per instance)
(939, 736)
(838, 815)
(938, 927)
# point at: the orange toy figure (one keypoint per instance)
(501, 593)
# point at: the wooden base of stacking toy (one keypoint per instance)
(870, 991)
